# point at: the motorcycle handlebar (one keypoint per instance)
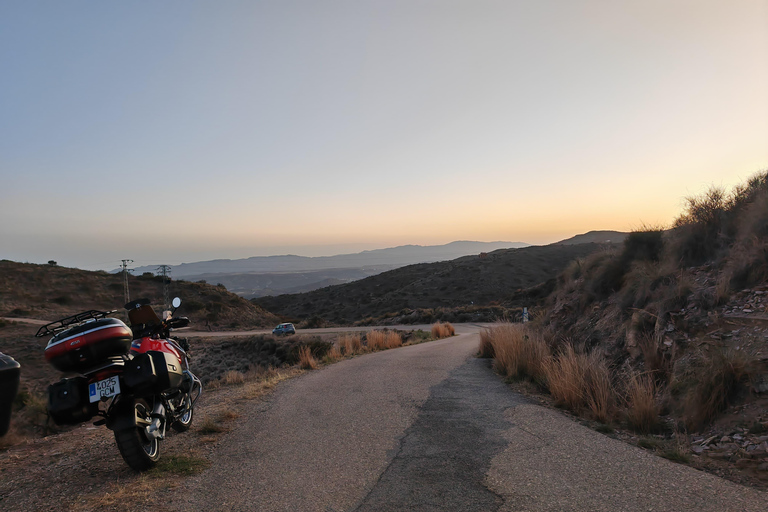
(177, 323)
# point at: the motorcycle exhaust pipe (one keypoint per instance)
(156, 428)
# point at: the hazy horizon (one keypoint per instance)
(177, 131)
(243, 253)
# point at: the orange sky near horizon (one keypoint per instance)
(169, 132)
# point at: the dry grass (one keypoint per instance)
(232, 378)
(642, 408)
(653, 357)
(333, 355)
(719, 377)
(119, 497)
(306, 360)
(382, 340)
(210, 426)
(599, 394)
(393, 340)
(519, 352)
(565, 378)
(228, 415)
(442, 330)
(350, 344)
(267, 380)
(581, 382)
(375, 340)
(485, 349)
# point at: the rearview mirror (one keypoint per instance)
(176, 302)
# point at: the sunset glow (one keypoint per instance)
(176, 132)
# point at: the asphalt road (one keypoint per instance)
(430, 427)
(323, 330)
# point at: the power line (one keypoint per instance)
(165, 271)
(124, 266)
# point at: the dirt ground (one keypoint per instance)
(49, 468)
(81, 469)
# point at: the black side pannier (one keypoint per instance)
(68, 402)
(139, 374)
(152, 372)
(9, 385)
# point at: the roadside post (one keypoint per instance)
(525, 315)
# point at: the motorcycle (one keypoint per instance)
(137, 379)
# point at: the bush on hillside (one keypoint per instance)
(714, 379)
(710, 222)
(644, 245)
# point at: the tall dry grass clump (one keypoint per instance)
(393, 340)
(442, 330)
(376, 340)
(350, 343)
(719, 377)
(564, 375)
(642, 409)
(581, 382)
(518, 352)
(599, 395)
(306, 359)
(333, 355)
(485, 350)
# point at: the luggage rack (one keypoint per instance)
(59, 325)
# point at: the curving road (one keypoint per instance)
(430, 427)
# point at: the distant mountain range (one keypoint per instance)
(391, 257)
(503, 277)
(261, 276)
(273, 275)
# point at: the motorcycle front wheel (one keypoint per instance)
(185, 420)
(137, 449)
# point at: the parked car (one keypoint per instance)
(284, 329)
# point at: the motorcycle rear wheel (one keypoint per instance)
(137, 450)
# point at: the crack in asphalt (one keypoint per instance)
(443, 457)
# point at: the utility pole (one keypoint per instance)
(165, 271)
(127, 294)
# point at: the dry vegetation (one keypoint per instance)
(442, 330)
(50, 292)
(652, 307)
(585, 384)
(665, 335)
(306, 359)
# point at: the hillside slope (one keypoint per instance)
(255, 284)
(50, 292)
(487, 279)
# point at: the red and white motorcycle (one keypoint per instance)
(136, 379)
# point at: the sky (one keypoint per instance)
(180, 131)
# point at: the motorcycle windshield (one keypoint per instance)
(143, 315)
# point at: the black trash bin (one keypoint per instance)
(9, 385)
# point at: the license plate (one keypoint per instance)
(104, 389)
